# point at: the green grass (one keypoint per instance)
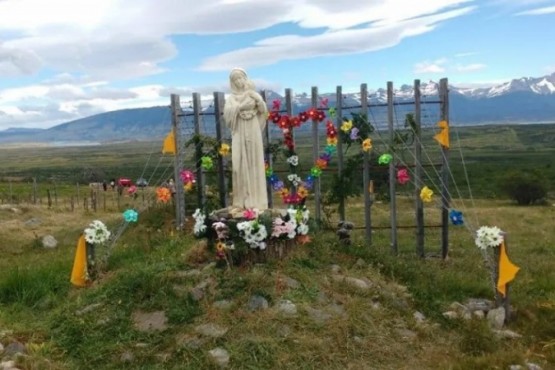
(146, 270)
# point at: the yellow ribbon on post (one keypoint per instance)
(507, 270)
(169, 144)
(79, 271)
(443, 136)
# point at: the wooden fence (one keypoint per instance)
(364, 107)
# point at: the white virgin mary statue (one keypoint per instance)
(245, 113)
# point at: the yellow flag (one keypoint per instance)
(507, 270)
(169, 144)
(80, 263)
(443, 136)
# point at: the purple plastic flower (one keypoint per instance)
(354, 133)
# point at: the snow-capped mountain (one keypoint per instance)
(522, 100)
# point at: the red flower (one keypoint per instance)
(295, 121)
(312, 113)
(276, 104)
(275, 117)
(303, 116)
(284, 121)
(320, 116)
(324, 102)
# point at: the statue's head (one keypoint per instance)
(239, 80)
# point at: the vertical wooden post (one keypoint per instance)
(93, 199)
(339, 122)
(268, 155)
(392, 169)
(198, 150)
(289, 112)
(104, 201)
(34, 190)
(179, 198)
(445, 199)
(315, 155)
(222, 162)
(418, 171)
(366, 170)
(55, 194)
(49, 198)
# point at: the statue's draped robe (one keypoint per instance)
(245, 114)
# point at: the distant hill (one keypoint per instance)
(521, 100)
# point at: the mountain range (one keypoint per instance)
(523, 100)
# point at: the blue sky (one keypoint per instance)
(65, 59)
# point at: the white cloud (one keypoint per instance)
(465, 54)
(89, 44)
(470, 67)
(538, 11)
(344, 41)
(436, 66)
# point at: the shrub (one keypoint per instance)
(525, 187)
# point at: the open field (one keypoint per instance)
(337, 325)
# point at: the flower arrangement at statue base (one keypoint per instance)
(253, 236)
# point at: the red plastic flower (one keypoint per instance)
(276, 104)
(284, 122)
(303, 116)
(320, 116)
(295, 121)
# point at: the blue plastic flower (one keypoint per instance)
(130, 215)
(456, 217)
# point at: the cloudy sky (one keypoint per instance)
(65, 59)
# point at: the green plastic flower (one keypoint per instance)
(316, 171)
(206, 163)
(385, 158)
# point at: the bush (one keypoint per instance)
(525, 187)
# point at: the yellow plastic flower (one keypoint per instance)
(426, 194)
(224, 149)
(347, 126)
(367, 145)
(283, 192)
(332, 140)
(302, 192)
(188, 186)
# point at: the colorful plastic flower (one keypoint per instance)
(456, 217)
(293, 160)
(321, 163)
(403, 176)
(163, 194)
(302, 191)
(331, 112)
(303, 116)
(206, 163)
(187, 176)
(330, 149)
(188, 186)
(316, 171)
(283, 192)
(426, 194)
(367, 144)
(347, 126)
(488, 237)
(331, 140)
(224, 150)
(130, 215)
(385, 158)
(276, 104)
(132, 190)
(250, 213)
(354, 133)
(324, 102)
